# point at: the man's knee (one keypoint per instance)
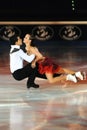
(17, 78)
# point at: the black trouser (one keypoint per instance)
(26, 72)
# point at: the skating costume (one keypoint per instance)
(48, 65)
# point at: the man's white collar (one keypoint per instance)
(14, 46)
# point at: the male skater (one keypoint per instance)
(17, 57)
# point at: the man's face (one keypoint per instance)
(19, 42)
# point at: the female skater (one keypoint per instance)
(47, 66)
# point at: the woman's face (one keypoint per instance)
(27, 39)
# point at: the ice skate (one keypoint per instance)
(79, 75)
(71, 78)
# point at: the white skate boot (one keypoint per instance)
(79, 75)
(71, 78)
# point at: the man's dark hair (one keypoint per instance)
(13, 39)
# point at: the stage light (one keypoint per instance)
(73, 5)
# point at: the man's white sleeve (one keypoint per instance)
(28, 58)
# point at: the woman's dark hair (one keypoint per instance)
(13, 39)
(33, 41)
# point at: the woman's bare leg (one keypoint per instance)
(68, 76)
(52, 79)
(67, 71)
(78, 74)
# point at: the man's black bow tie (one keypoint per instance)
(14, 50)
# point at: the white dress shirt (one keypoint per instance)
(17, 58)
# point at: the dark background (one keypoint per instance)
(65, 52)
(47, 10)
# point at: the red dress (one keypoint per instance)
(47, 65)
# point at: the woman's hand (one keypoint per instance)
(33, 64)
